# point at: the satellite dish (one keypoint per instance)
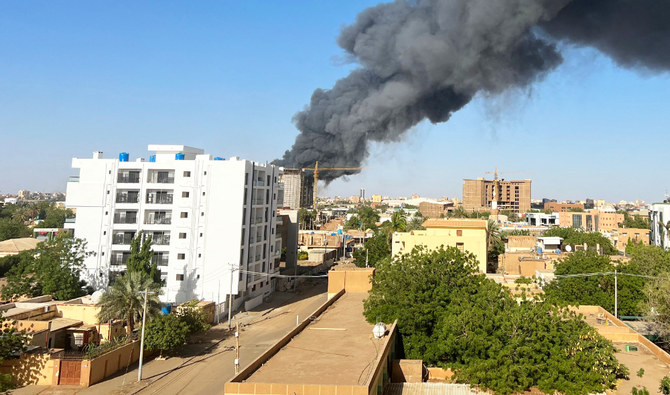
(96, 296)
(568, 248)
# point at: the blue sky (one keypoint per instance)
(77, 77)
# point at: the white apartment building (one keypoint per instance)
(659, 215)
(208, 217)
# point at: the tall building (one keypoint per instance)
(298, 189)
(659, 220)
(207, 217)
(511, 195)
(24, 194)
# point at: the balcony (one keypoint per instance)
(122, 238)
(156, 220)
(160, 239)
(128, 178)
(119, 259)
(159, 198)
(125, 219)
(160, 259)
(127, 198)
(161, 177)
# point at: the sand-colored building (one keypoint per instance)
(513, 195)
(592, 220)
(465, 234)
(435, 209)
(622, 236)
(559, 207)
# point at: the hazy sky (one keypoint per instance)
(77, 77)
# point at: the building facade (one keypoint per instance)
(659, 219)
(298, 189)
(558, 207)
(592, 221)
(464, 234)
(211, 220)
(435, 209)
(510, 195)
(542, 219)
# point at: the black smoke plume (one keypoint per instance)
(426, 59)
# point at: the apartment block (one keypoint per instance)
(511, 195)
(298, 189)
(207, 217)
(562, 206)
(464, 234)
(592, 220)
(659, 218)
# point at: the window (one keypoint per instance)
(184, 194)
(205, 173)
(202, 214)
(199, 255)
(459, 232)
(187, 174)
(181, 256)
(460, 247)
(200, 234)
(203, 194)
(184, 214)
(180, 277)
(182, 235)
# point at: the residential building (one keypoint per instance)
(622, 236)
(207, 217)
(563, 206)
(542, 219)
(592, 220)
(511, 195)
(376, 198)
(465, 234)
(659, 219)
(298, 189)
(435, 209)
(24, 194)
(287, 228)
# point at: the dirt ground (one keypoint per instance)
(654, 369)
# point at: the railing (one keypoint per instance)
(127, 198)
(161, 179)
(125, 220)
(128, 179)
(73, 179)
(122, 239)
(160, 199)
(116, 261)
(161, 240)
(159, 221)
(160, 260)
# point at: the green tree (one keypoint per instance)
(12, 342)
(657, 306)
(664, 388)
(495, 245)
(416, 223)
(54, 217)
(595, 289)
(376, 249)
(13, 229)
(306, 218)
(193, 316)
(398, 221)
(450, 315)
(165, 332)
(140, 259)
(54, 268)
(578, 237)
(635, 221)
(125, 299)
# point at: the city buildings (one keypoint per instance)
(298, 189)
(435, 209)
(659, 220)
(511, 195)
(542, 219)
(592, 220)
(465, 234)
(563, 206)
(211, 220)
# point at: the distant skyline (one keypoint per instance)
(228, 78)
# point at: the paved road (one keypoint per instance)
(205, 367)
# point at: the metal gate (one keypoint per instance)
(70, 372)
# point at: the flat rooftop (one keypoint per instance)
(337, 348)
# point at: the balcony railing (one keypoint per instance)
(123, 198)
(161, 178)
(158, 221)
(159, 199)
(161, 240)
(122, 239)
(125, 219)
(128, 179)
(160, 260)
(116, 260)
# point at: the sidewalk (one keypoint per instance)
(212, 350)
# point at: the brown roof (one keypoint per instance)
(456, 223)
(18, 245)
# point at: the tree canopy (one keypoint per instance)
(634, 221)
(376, 249)
(365, 218)
(140, 259)
(578, 237)
(451, 316)
(165, 332)
(54, 268)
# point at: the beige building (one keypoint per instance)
(298, 189)
(376, 198)
(622, 236)
(435, 209)
(592, 220)
(511, 195)
(557, 207)
(465, 234)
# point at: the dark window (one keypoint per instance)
(181, 256)
(182, 235)
(184, 214)
(180, 277)
(187, 174)
(184, 194)
(459, 232)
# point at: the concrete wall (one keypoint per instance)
(31, 368)
(407, 371)
(87, 313)
(353, 280)
(96, 370)
(384, 363)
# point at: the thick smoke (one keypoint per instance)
(428, 58)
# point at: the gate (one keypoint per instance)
(70, 372)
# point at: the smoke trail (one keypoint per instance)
(428, 58)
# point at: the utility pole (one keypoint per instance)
(237, 346)
(218, 304)
(366, 257)
(144, 320)
(616, 296)
(230, 297)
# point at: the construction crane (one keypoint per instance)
(316, 170)
(496, 183)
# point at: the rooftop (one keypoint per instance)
(18, 245)
(456, 223)
(336, 348)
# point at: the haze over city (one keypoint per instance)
(77, 78)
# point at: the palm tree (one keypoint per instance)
(398, 221)
(125, 299)
(494, 244)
